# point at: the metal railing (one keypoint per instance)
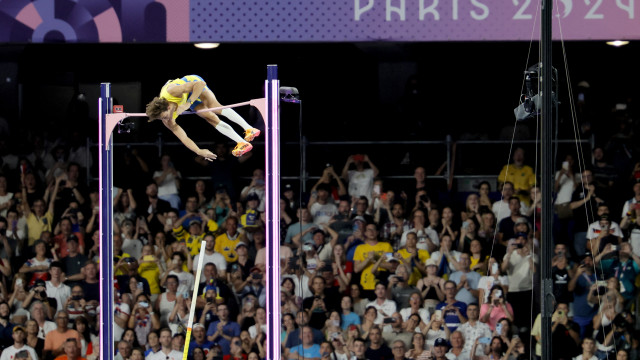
(447, 168)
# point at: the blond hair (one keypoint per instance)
(156, 107)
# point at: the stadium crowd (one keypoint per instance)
(368, 271)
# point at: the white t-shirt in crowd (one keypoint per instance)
(169, 186)
(60, 293)
(361, 183)
(422, 236)
(565, 190)
(216, 258)
(323, 213)
(186, 281)
(10, 352)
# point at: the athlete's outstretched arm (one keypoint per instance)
(182, 136)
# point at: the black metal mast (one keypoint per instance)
(546, 253)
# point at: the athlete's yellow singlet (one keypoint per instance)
(182, 99)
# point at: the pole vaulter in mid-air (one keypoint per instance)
(191, 93)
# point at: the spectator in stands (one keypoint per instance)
(223, 330)
(226, 242)
(193, 237)
(561, 275)
(473, 328)
(446, 257)
(594, 228)
(564, 185)
(427, 238)
(321, 206)
(39, 314)
(318, 305)
(342, 268)
(307, 349)
(431, 286)
(70, 189)
(131, 242)
(457, 350)
(361, 206)
(61, 239)
(604, 173)
(501, 208)
(74, 261)
(6, 327)
(75, 304)
(124, 206)
(149, 269)
(606, 235)
(399, 288)
(16, 232)
(322, 247)
(519, 265)
(31, 337)
(71, 351)
(236, 352)
(496, 308)
(290, 197)
(166, 351)
(37, 267)
(418, 350)
(487, 228)
(415, 307)
(255, 286)
(413, 257)
(588, 350)
(89, 340)
(41, 218)
(359, 303)
(506, 226)
(190, 210)
(168, 181)
(450, 225)
(625, 267)
(396, 331)
(185, 279)
(393, 229)
(152, 208)
(466, 281)
(453, 311)
(167, 300)
(520, 175)
(384, 306)
(90, 283)
(580, 285)
(55, 287)
(143, 319)
(584, 203)
(632, 204)
(288, 327)
(565, 333)
(367, 255)
(54, 340)
(398, 348)
(129, 267)
(18, 335)
(497, 347)
(360, 179)
(257, 186)
(153, 343)
(377, 349)
(211, 256)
